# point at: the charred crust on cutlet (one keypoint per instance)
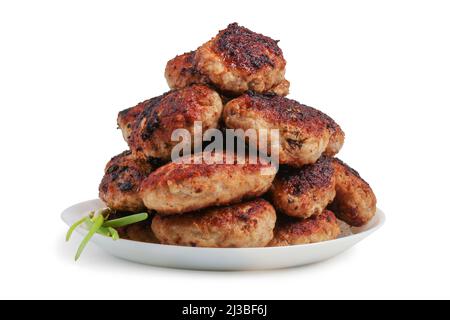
(123, 113)
(129, 115)
(152, 123)
(112, 169)
(123, 177)
(120, 156)
(247, 212)
(125, 186)
(155, 162)
(252, 93)
(117, 171)
(150, 116)
(283, 110)
(167, 109)
(333, 126)
(299, 180)
(246, 49)
(349, 169)
(294, 143)
(188, 67)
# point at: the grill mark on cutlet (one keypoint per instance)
(317, 175)
(246, 49)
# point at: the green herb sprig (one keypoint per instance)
(97, 222)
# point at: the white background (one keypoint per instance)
(381, 69)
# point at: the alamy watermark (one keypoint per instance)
(227, 147)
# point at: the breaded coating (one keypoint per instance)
(238, 59)
(151, 135)
(355, 202)
(305, 133)
(290, 231)
(120, 184)
(181, 72)
(182, 187)
(126, 118)
(242, 225)
(304, 192)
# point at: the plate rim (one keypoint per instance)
(379, 213)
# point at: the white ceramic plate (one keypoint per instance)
(220, 259)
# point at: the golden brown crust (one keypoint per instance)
(152, 132)
(304, 192)
(127, 117)
(238, 59)
(305, 133)
(355, 202)
(247, 224)
(291, 231)
(181, 72)
(178, 188)
(119, 188)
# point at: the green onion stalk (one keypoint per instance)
(98, 222)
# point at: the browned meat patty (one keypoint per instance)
(120, 184)
(242, 225)
(181, 72)
(290, 231)
(238, 59)
(355, 202)
(151, 135)
(304, 192)
(305, 133)
(178, 188)
(127, 118)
